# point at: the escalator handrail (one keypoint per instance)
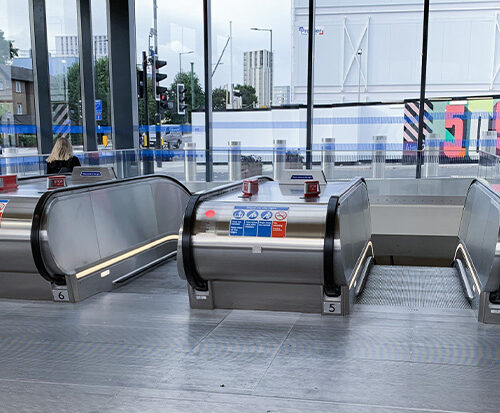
(48, 196)
(192, 276)
(484, 185)
(334, 202)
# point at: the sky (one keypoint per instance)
(180, 29)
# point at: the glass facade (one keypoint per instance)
(64, 67)
(366, 83)
(17, 99)
(101, 72)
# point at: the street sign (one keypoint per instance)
(98, 109)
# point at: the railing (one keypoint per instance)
(377, 160)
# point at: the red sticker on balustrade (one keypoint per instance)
(3, 204)
(278, 230)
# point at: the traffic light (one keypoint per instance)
(163, 103)
(140, 84)
(158, 77)
(181, 99)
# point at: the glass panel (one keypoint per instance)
(370, 55)
(180, 43)
(252, 80)
(101, 73)
(65, 89)
(463, 82)
(17, 99)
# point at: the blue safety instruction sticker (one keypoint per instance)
(259, 221)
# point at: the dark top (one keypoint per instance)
(61, 167)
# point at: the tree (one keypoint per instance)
(7, 49)
(199, 97)
(219, 99)
(248, 96)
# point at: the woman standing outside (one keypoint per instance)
(61, 159)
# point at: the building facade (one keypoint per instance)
(17, 104)
(67, 46)
(281, 95)
(372, 51)
(257, 72)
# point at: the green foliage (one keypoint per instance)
(248, 95)
(199, 97)
(151, 106)
(219, 99)
(27, 141)
(7, 49)
(74, 93)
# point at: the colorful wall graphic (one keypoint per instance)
(459, 123)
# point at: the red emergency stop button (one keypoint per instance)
(250, 187)
(311, 189)
(8, 183)
(54, 182)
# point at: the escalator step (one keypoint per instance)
(421, 287)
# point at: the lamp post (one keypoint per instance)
(180, 59)
(272, 60)
(359, 53)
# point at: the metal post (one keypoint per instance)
(192, 90)
(488, 148)
(328, 157)
(234, 160)
(190, 161)
(423, 73)
(310, 83)
(279, 158)
(85, 39)
(41, 75)
(360, 53)
(431, 155)
(148, 158)
(231, 98)
(207, 48)
(379, 155)
(122, 73)
(271, 74)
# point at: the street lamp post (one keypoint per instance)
(360, 52)
(180, 59)
(272, 60)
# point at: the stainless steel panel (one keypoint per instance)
(480, 232)
(70, 235)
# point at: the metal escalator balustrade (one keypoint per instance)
(276, 250)
(73, 242)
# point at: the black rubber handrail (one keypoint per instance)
(485, 186)
(39, 212)
(330, 288)
(192, 276)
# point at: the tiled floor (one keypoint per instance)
(141, 349)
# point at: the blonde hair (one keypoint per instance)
(62, 150)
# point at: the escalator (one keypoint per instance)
(470, 279)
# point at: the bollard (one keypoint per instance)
(379, 155)
(234, 160)
(431, 155)
(487, 158)
(279, 158)
(328, 157)
(11, 164)
(190, 161)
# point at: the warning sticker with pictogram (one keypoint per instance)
(258, 221)
(3, 205)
